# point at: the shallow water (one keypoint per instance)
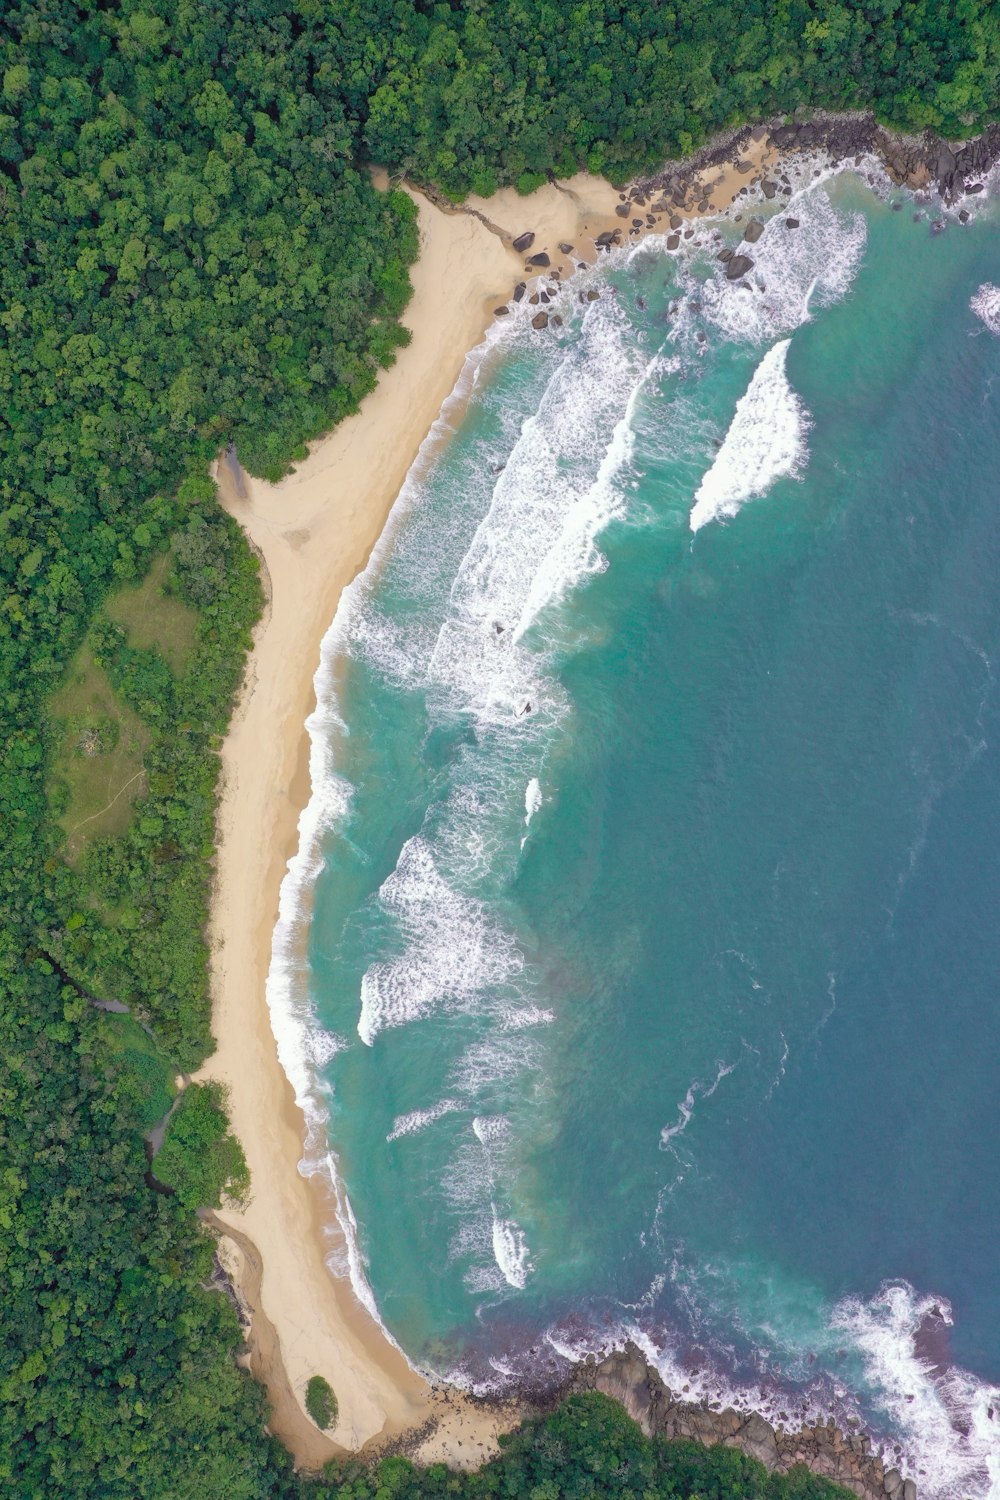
(653, 958)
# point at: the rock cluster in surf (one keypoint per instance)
(845, 1458)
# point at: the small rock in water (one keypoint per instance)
(593, 295)
(519, 291)
(769, 188)
(540, 320)
(501, 312)
(791, 223)
(753, 231)
(673, 240)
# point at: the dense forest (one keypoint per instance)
(192, 254)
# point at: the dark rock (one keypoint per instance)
(565, 249)
(501, 312)
(533, 299)
(964, 215)
(673, 240)
(539, 260)
(939, 226)
(769, 188)
(593, 295)
(636, 223)
(738, 266)
(524, 241)
(945, 162)
(557, 320)
(544, 297)
(744, 166)
(676, 221)
(650, 220)
(893, 1483)
(540, 320)
(791, 223)
(974, 187)
(519, 291)
(622, 210)
(725, 256)
(753, 231)
(606, 239)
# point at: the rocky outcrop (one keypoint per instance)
(954, 168)
(844, 1458)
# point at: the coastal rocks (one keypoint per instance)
(541, 259)
(519, 291)
(622, 210)
(501, 312)
(738, 266)
(540, 320)
(791, 223)
(824, 1449)
(753, 231)
(524, 241)
(768, 188)
(606, 239)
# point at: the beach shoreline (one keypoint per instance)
(314, 533)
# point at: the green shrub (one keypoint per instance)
(321, 1403)
(200, 1157)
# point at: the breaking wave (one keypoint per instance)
(985, 303)
(766, 442)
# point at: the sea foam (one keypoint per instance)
(985, 303)
(766, 441)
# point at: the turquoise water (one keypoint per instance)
(653, 872)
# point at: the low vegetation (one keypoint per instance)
(321, 1403)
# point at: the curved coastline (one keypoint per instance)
(315, 532)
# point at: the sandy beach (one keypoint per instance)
(314, 532)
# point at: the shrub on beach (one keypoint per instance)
(321, 1403)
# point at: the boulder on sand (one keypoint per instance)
(524, 241)
(539, 260)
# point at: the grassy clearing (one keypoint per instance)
(97, 771)
(149, 1075)
(152, 617)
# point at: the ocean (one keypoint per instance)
(640, 967)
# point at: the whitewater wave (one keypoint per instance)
(949, 1421)
(419, 1119)
(766, 442)
(985, 303)
(796, 271)
(454, 950)
(511, 1251)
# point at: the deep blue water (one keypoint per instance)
(654, 957)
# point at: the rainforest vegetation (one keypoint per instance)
(192, 254)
